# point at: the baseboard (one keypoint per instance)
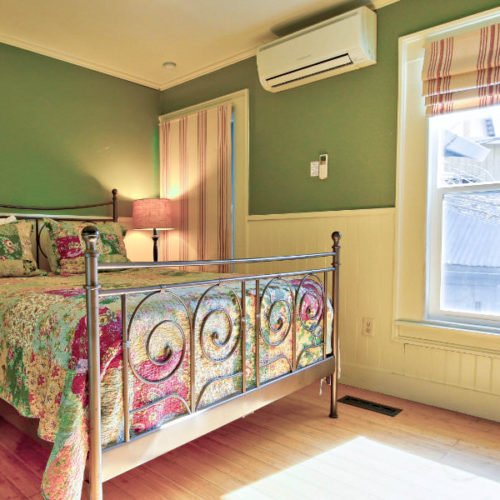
(479, 404)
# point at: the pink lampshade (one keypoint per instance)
(152, 213)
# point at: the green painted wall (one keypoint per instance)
(68, 135)
(353, 117)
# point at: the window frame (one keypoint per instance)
(435, 196)
(412, 323)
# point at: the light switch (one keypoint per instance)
(314, 168)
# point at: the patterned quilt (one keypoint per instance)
(43, 353)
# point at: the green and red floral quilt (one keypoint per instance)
(43, 353)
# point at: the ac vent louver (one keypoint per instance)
(310, 70)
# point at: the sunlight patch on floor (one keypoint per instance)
(363, 469)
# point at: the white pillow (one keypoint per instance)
(7, 220)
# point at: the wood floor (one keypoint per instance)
(291, 450)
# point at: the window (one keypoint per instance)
(463, 272)
(447, 278)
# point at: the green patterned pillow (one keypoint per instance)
(16, 257)
(67, 252)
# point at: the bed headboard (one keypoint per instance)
(37, 214)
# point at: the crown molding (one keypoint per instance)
(211, 67)
(61, 56)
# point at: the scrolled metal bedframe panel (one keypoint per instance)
(149, 444)
(117, 460)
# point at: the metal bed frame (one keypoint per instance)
(199, 419)
(38, 216)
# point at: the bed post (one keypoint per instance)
(91, 235)
(335, 330)
(114, 193)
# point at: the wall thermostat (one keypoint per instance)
(323, 166)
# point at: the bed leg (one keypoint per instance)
(333, 396)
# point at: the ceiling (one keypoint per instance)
(131, 39)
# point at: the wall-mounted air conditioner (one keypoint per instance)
(340, 44)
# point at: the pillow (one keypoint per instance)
(67, 247)
(16, 257)
(7, 220)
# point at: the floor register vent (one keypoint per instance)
(370, 405)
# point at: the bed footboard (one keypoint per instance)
(183, 430)
(268, 310)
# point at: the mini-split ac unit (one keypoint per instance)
(340, 44)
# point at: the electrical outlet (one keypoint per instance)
(367, 327)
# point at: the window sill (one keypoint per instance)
(449, 337)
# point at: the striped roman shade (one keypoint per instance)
(462, 72)
(195, 173)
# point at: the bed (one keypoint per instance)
(131, 360)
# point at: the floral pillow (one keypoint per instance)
(16, 257)
(67, 247)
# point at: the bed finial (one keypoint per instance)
(90, 234)
(336, 238)
(114, 192)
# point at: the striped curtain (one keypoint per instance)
(195, 172)
(462, 72)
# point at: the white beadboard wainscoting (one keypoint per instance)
(440, 376)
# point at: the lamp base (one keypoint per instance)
(155, 245)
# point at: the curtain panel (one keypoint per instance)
(462, 72)
(195, 173)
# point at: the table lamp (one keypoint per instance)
(155, 214)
